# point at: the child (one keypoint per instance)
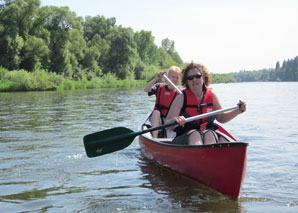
(165, 94)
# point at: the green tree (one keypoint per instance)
(169, 47)
(74, 48)
(96, 30)
(35, 54)
(222, 78)
(121, 59)
(287, 72)
(94, 54)
(97, 25)
(66, 39)
(139, 70)
(147, 49)
(16, 19)
(54, 39)
(165, 59)
(277, 65)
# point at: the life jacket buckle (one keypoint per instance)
(203, 105)
(203, 126)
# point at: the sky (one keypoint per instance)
(224, 35)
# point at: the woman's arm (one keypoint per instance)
(174, 111)
(227, 116)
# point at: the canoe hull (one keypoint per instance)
(219, 166)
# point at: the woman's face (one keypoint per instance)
(195, 79)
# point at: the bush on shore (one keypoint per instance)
(40, 80)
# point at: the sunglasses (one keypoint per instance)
(191, 77)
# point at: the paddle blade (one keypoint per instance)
(107, 141)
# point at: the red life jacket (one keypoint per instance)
(192, 107)
(164, 99)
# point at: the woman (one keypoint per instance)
(197, 99)
(165, 95)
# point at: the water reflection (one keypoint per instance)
(184, 193)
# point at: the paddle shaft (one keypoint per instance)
(190, 119)
(211, 113)
(166, 77)
(111, 140)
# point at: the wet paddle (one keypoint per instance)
(111, 140)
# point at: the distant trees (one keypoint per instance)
(54, 39)
(287, 72)
(222, 78)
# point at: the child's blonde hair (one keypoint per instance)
(174, 69)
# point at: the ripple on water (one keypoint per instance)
(44, 167)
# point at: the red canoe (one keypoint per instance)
(219, 166)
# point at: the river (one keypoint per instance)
(44, 168)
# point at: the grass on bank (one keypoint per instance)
(40, 80)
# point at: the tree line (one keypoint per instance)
(288, 71)
(56, 40)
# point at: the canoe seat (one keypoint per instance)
(224, 136)
(165, 140)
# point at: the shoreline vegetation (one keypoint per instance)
(40, 80)
(51, 48)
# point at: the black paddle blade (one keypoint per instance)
(107, 141)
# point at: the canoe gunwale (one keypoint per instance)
(186, 146)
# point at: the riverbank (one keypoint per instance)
(40, 80)
(15, 81)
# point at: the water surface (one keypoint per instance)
(44, 167)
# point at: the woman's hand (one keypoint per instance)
(181, 120)
(242, 105)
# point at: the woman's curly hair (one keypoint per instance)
(205, 75)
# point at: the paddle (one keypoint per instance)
(111, 140)
(177, 89)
